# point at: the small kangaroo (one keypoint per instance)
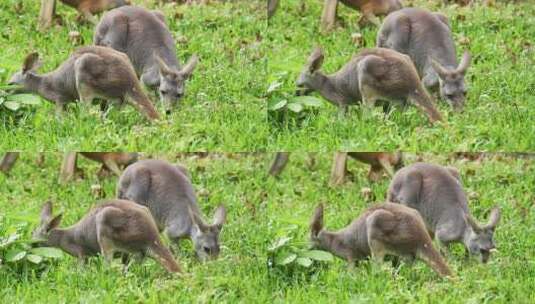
(383, 229)
(89, 73)
(111, 161)
(369, 9)
(426, 37)
(114, 226)
(372, 75)
(144, 36)
(437, 193)
(168, 193)
(87, 8)
(378, 161)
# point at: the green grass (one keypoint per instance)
(499, 109)
(261, 209)
(223, 109)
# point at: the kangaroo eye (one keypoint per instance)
(164, 92)
(207, 249)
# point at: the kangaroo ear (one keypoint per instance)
(316, 223)
(46, 212)
(187, 70)
(494, 218)
(164, 68)
(472, 222)
(464, 64)
(441, 70)
(315, 61)
(220, 217)
(31, 62)
(54, 223)
(197, 221)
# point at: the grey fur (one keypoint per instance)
(89, 73)
(112, 226)
(382, 229)
(426, 37)
(372, 75)
(168, 193)
(437, 193)
(144, 36)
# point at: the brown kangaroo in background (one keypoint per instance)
(369, 9)
(385, 229)
(114, 226)
(87, 8)
(90, 72)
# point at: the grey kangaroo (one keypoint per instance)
(383, 229)
(114, 226)
(373, 75)
(168, 193)
(426, 37)
(144, 36)
(437, 193)
(89, 73)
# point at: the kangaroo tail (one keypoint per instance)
(142, 103)
(421, 99)
(433, 259)
(163, 256)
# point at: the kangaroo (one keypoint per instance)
(114, 226)
(144, 36)
(87, 8)
(372, 75)
(111, 161)
(426, 37)
(89, 73)
(383, 229)
(378, 161)
(168, 193)
(437, 193)
(369, 9)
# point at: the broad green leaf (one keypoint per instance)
(295, 107)
(28, 99)
(279, 243)
(285, 258)
(48, 252)
(318, 255)
(306, 262)
(15, 255)
(12, 105)
(309, 101)
(36, 259)
(277, 104)
(10, 239)
(273, 86)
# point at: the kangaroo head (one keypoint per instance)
(452, 86)
(480, 239)
(30, 65)
(310, 71)
(206, 237)
(47, 223)
(173, 81)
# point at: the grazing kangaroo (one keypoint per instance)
(369, 9)
(87, 8)
(383, 229)
(426, 37)
(144, 36)
(167, 192)
(378, 161)
(89, 73)
(437, 193)
(114, 226)
(372, 75)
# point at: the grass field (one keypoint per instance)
(263, 209)
(222, 111)
(498, 113)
